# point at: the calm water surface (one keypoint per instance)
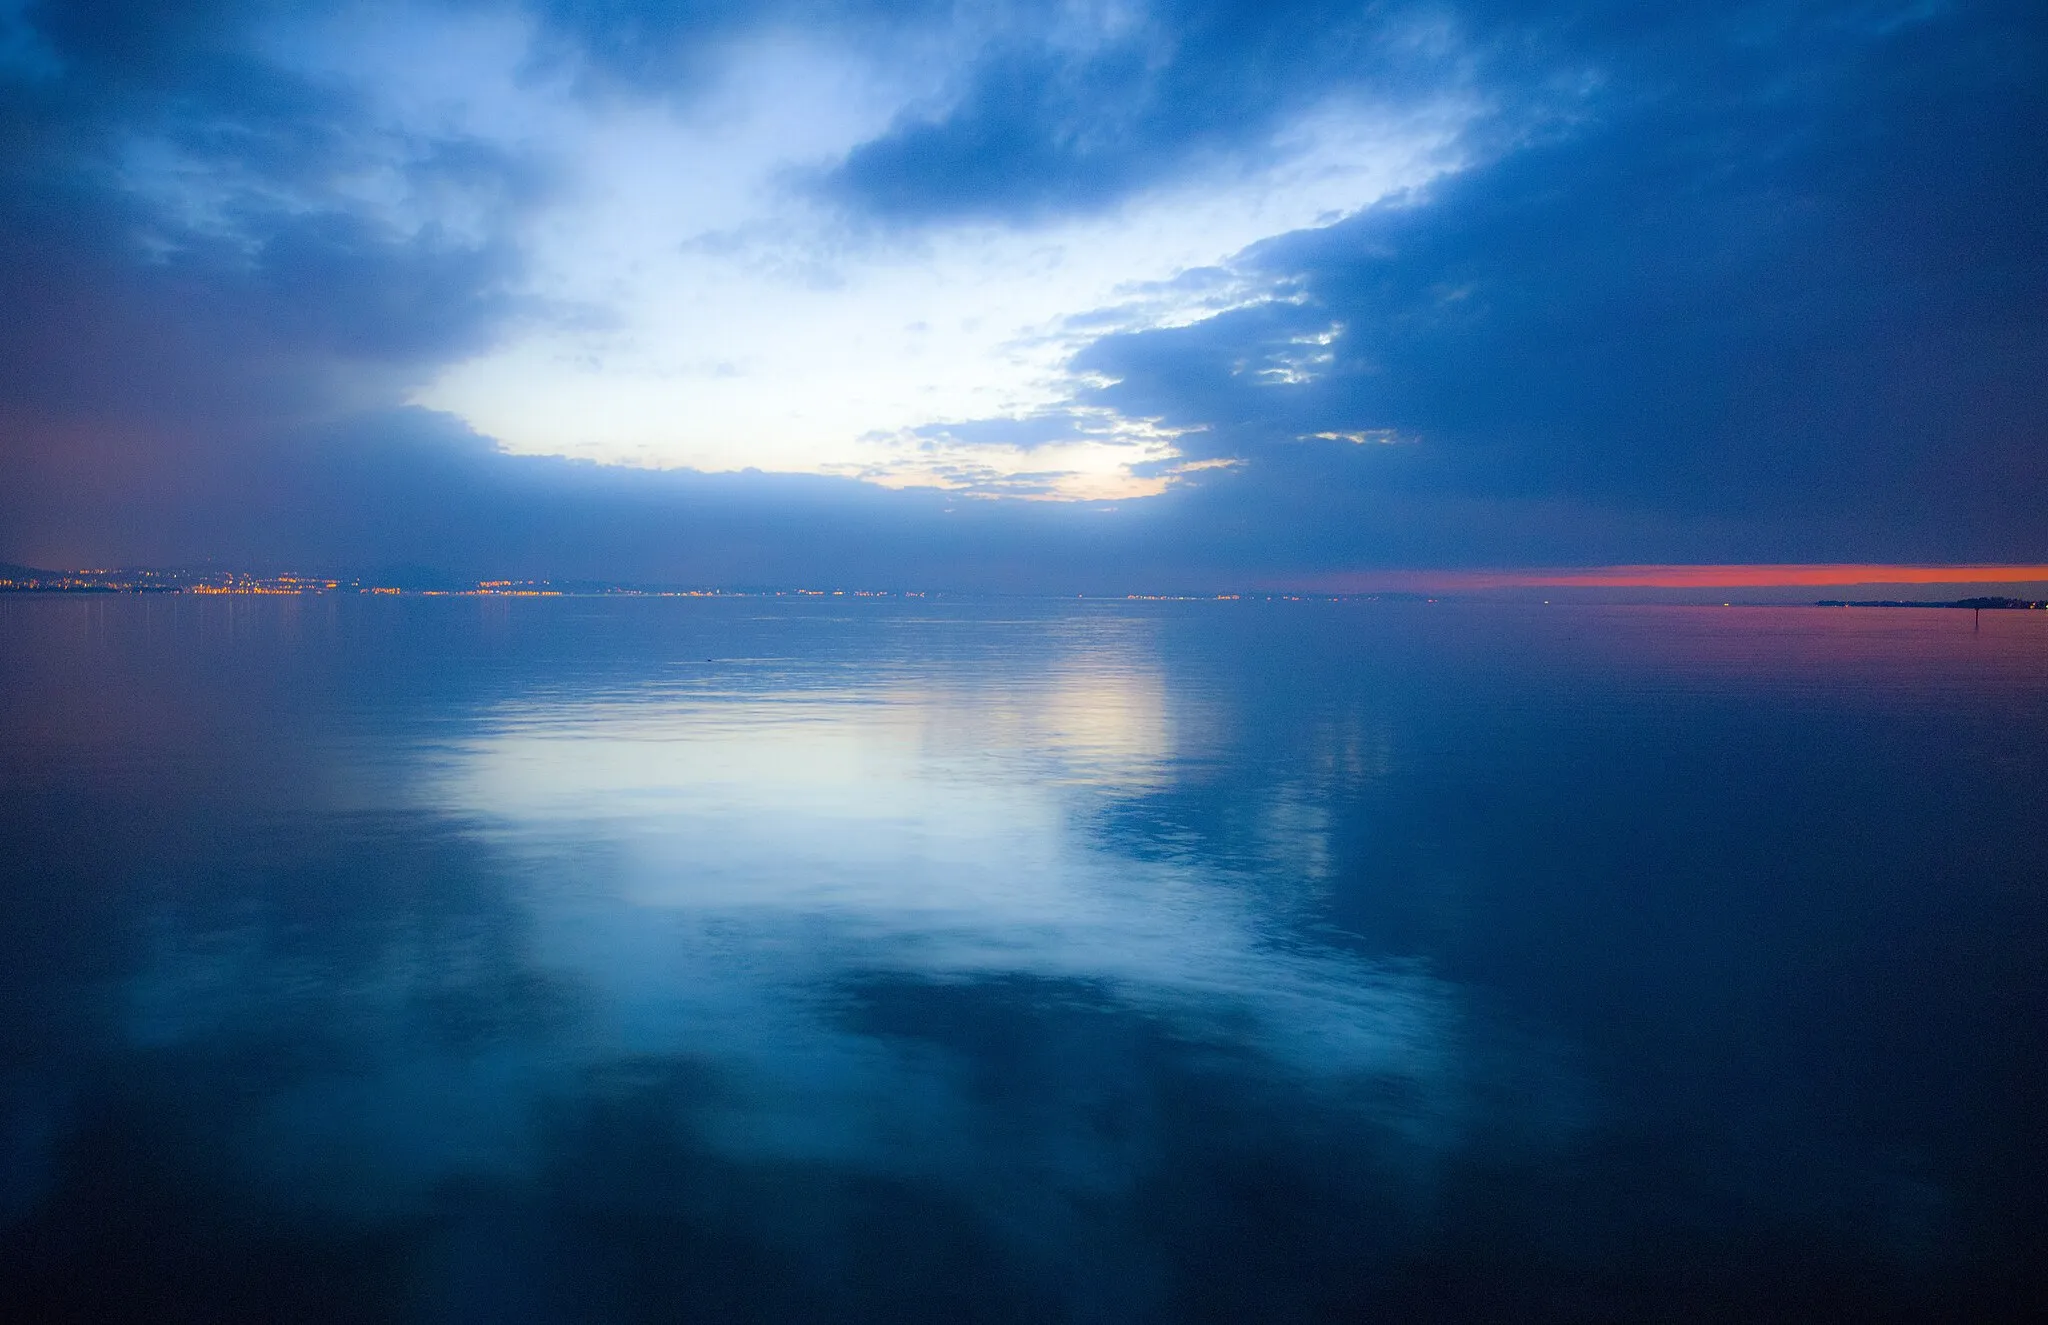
(625, 960)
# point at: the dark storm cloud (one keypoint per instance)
(177, 239)
(1786, 296)
(1078, 112)
(186, 280)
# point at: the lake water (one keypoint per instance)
(952, 960)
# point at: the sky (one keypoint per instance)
(1088, 296)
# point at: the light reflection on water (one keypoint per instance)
(1021, 961)
(771, 846)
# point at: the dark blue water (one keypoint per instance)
(622, 960)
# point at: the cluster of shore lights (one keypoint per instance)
(330, 586)
(512, 589)
(282, 584)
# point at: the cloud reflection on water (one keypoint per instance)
(793, 886)
(781, 848)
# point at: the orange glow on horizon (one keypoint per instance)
(1689, 577)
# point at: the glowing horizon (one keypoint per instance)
(1720, 576)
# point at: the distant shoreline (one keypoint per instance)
(419, 582)
(1976, 604)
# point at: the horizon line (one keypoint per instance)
(1678, 575)
(1423, 580)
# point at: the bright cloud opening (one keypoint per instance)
(726, 318)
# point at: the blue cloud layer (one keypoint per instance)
(1765, 283)
(1808, 309)
(1047, 122)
